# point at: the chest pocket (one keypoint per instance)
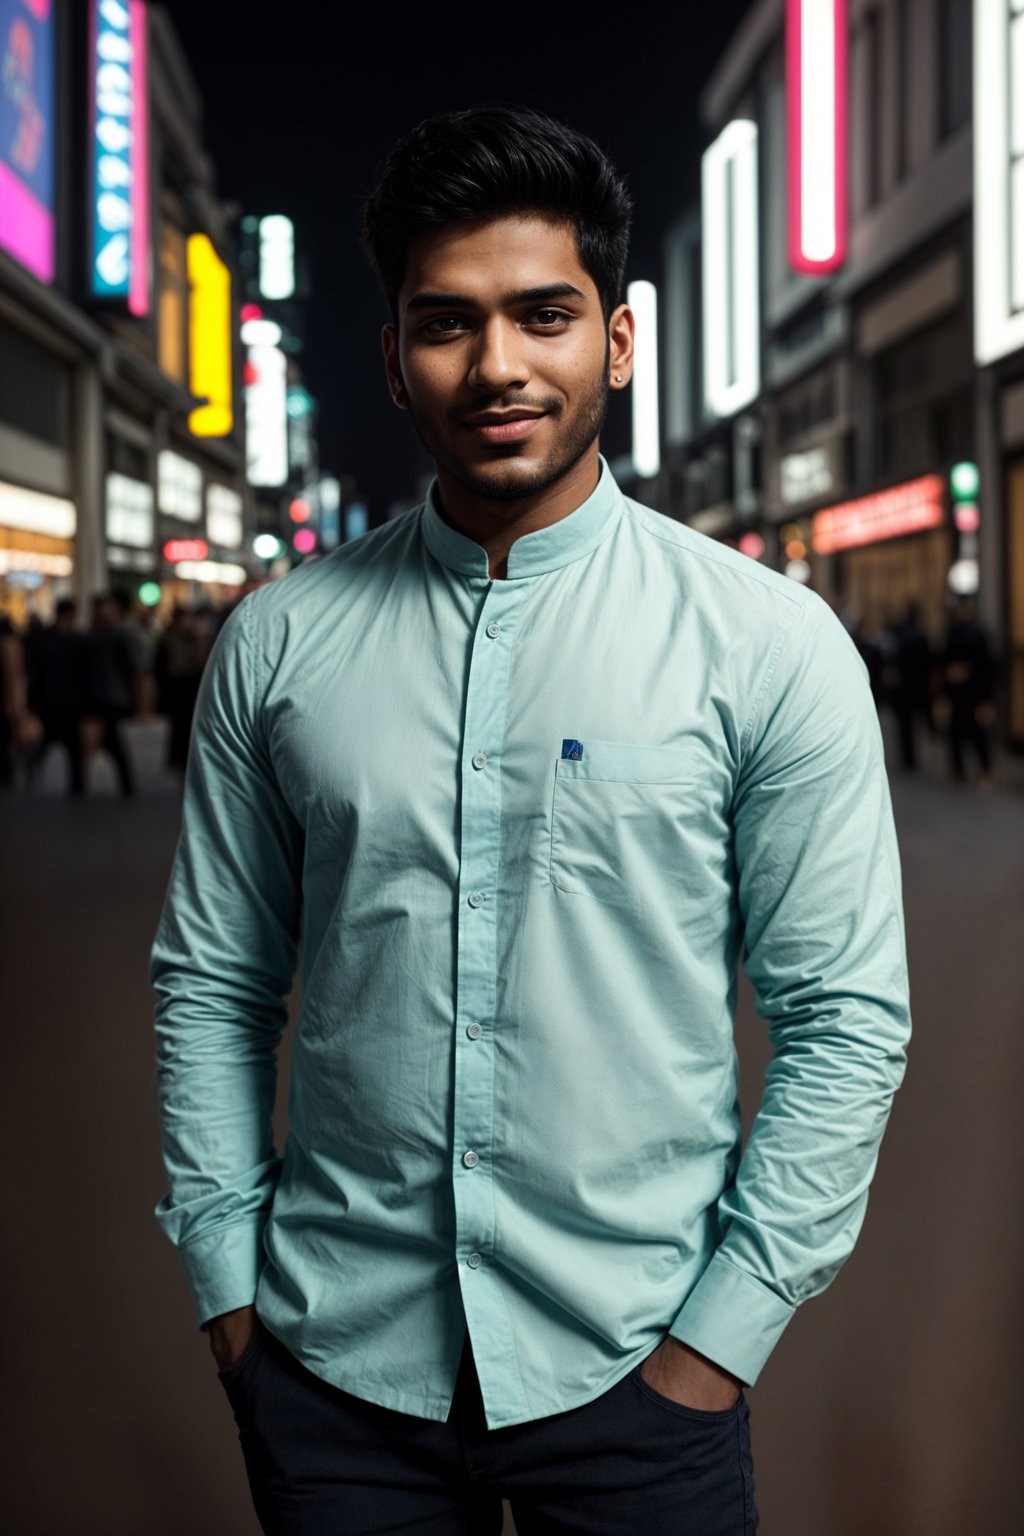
(615, 813)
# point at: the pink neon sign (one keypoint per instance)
(816, 113)
(908, 508)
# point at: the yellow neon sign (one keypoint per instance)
(209, 339)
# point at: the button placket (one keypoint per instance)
(479, 883)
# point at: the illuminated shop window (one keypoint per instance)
(179, 486)
(223, 516)
(129, 511)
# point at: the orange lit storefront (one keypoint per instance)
(877, 553)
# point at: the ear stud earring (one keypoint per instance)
(618, 378)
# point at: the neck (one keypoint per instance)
(495, 525)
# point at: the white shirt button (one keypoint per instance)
(476, 898)
(474, 1031)
(480, 761)
(470, 1159)
(474, 1261)
(494, 630)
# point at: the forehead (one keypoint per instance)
(485, 257)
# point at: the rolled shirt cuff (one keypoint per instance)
(223, 1268)
(733, 1319)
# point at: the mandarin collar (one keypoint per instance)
(532, 554)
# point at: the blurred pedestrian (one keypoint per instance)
(968, 674)
(868, 642)
(908, 677)
(55, 667)
(116, 666)
(13, 707)
(177, 670)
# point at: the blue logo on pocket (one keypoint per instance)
(572, 749)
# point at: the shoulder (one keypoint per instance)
(316, 584)
(717, 566)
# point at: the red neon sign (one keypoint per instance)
(816, 133)
(185, 549)
(886, 515)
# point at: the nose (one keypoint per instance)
(498, 359)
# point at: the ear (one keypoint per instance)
(389, 341)
(621, 332)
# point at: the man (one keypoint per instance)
(523, 770)
(116, 666)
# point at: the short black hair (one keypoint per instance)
(489, 161)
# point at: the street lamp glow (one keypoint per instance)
(266, 546)
(642, 298)
(732, 375)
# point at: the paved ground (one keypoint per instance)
(892, 1405)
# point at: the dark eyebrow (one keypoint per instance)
(523, 296)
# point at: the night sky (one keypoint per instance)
(297, 123)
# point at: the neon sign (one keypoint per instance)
(26, 134)
(998, 178)
(732, 375)
(176, 550)
(209, 333)
(120, 153)
(908, 508)
(816, 133)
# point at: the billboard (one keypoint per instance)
(119, 197)
(27, 150)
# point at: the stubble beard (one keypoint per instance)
(509, 482)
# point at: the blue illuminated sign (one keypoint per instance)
(120, 153)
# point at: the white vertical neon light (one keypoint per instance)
(818, 119)
(642, 298)
(998, 179)
(730, 269)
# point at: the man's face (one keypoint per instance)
(500, 319)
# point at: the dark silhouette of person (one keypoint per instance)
(968, 671)
(178, 668)
(909, 669)
(55, 667)
(115, 668)
(12, 667)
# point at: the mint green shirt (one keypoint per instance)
(523, 831)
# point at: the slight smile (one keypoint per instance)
(510, 431)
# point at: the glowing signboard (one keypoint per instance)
(266, 416)
(888, 514)
(176, 550)
(642, 298)
(732, 374)
(209, 339)
(277, 257)
(27, 109)
(120, 153)
(816, 133)
(998, 178)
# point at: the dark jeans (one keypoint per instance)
(322, 1462)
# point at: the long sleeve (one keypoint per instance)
(222, 965)
(824, 947)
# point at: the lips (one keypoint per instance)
(512, 430)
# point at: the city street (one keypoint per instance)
(890, 1407)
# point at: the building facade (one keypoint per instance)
(861, 426)
(122, 455)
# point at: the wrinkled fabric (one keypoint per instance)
(513, 1100)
